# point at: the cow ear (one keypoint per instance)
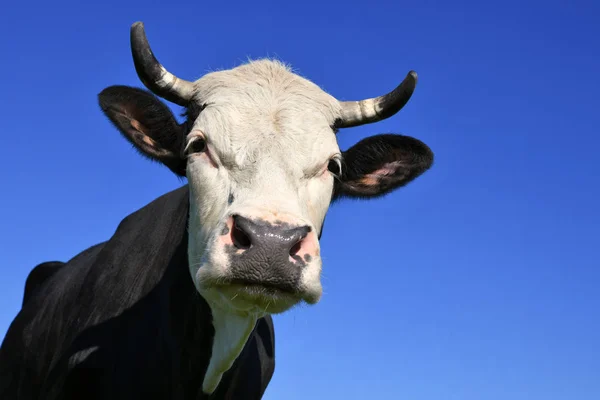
(147, 123)
(380, 164)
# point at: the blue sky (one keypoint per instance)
(479, 281)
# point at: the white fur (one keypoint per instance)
(231, 333)
(269, 137)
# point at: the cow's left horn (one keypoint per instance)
(152, 74)
(362, 112)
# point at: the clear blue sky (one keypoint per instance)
(479, 281)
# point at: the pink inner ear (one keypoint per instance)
(390, 168)
(374, 178)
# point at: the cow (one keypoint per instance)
(178, 302)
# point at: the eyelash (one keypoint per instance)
(196, 145)
(334, 166)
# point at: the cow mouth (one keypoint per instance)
(259, 296)
(263, 287)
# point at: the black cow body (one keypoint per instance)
(123, 320)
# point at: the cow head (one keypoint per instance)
(259, 150)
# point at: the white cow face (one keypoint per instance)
(261, 162)
(260, 154)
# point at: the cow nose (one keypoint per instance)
(279, 239)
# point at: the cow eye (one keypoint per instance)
(197, 145)
(334, 167)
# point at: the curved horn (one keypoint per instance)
(362, 112)
(152, 74)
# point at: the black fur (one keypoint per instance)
(380, 164)
(38, 276)
(123, 321)
(192, 112)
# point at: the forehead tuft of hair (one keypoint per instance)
(265, 81)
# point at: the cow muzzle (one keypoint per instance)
(271, 264)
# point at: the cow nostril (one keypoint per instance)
(295, 248)
(239, 238)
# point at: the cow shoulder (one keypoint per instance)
(38, 276)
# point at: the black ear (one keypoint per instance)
(147, 123)
(379, 164)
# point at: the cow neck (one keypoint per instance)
(199, 326)
(231, 334)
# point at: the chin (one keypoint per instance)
(248, 299)
(262, 299)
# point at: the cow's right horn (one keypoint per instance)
(153, 75)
